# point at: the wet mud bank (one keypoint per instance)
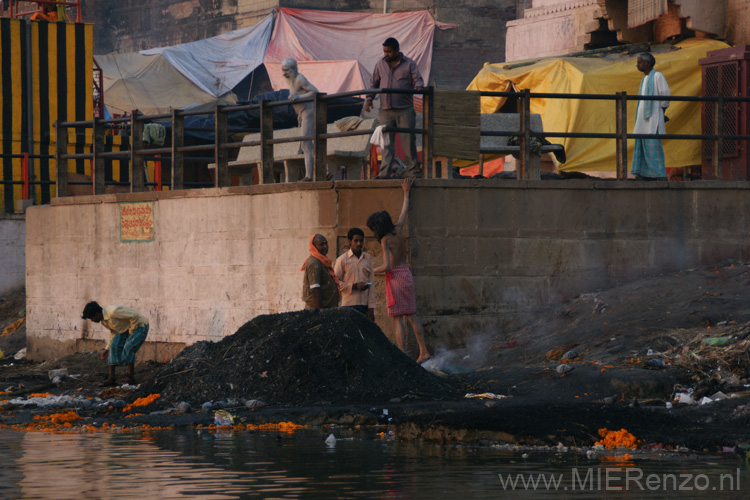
(665, 358)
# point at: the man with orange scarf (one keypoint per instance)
(320, 287)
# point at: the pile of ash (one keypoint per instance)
(299, 359)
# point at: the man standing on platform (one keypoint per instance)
(301, 88)
(396, 71)
(648, 154)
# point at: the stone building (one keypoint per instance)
(132, 25)
(547, 28)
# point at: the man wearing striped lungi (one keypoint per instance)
(399, 282)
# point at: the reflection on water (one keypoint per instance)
(190, 464)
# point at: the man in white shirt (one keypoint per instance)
(354, 271)
(648, 154)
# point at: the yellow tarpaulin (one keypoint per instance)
(579, 75)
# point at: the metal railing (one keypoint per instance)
(177, 153)
(137, 153)
(621, 134)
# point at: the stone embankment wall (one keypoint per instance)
(12, 249)
(487, 255)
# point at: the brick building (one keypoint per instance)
(546, 28)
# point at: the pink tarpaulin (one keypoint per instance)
(337, 51)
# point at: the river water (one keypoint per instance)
(198, 464)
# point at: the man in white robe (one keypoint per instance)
(648, 154)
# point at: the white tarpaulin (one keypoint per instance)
(147, 83)
(346, 45)
(218, 64)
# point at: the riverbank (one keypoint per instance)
(617, 358)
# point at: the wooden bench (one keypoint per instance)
(289, 162)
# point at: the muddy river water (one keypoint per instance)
(199, 464)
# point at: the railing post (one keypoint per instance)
(621, 129)
(97, 163)
(61, 149)
(719, 132)
(136, 160)
(320, 152)
(178, 157)
(428, 139)
(524, 143)
(220, 153)
(157, 173)
(25, 191)
(266, 149)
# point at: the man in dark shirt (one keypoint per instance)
(396, 71)
(320, 287)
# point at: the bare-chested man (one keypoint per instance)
(399, 282)
(301, 88)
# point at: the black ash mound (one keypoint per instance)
(299, 358)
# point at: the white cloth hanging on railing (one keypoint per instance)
(379, 138)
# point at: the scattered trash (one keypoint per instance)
(717, 341)
(728, 449)
(599, 306)
(570, 355)
(656, 362)
(331, 441)
(46, 401)
(609, 399)
(223, 418)
(254, 403)
(719, 396)
(485, 395)
(705, 400)
(385, 412)
(684, 398)
(59, 374)
(20, 355)
(563, 369)
(650, 352)
(554, 354)
(12, 327)
(669, 405)
(1, 354)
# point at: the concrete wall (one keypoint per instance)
(132, 25)
(738, 22)
(486, 255)
(13, 251)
